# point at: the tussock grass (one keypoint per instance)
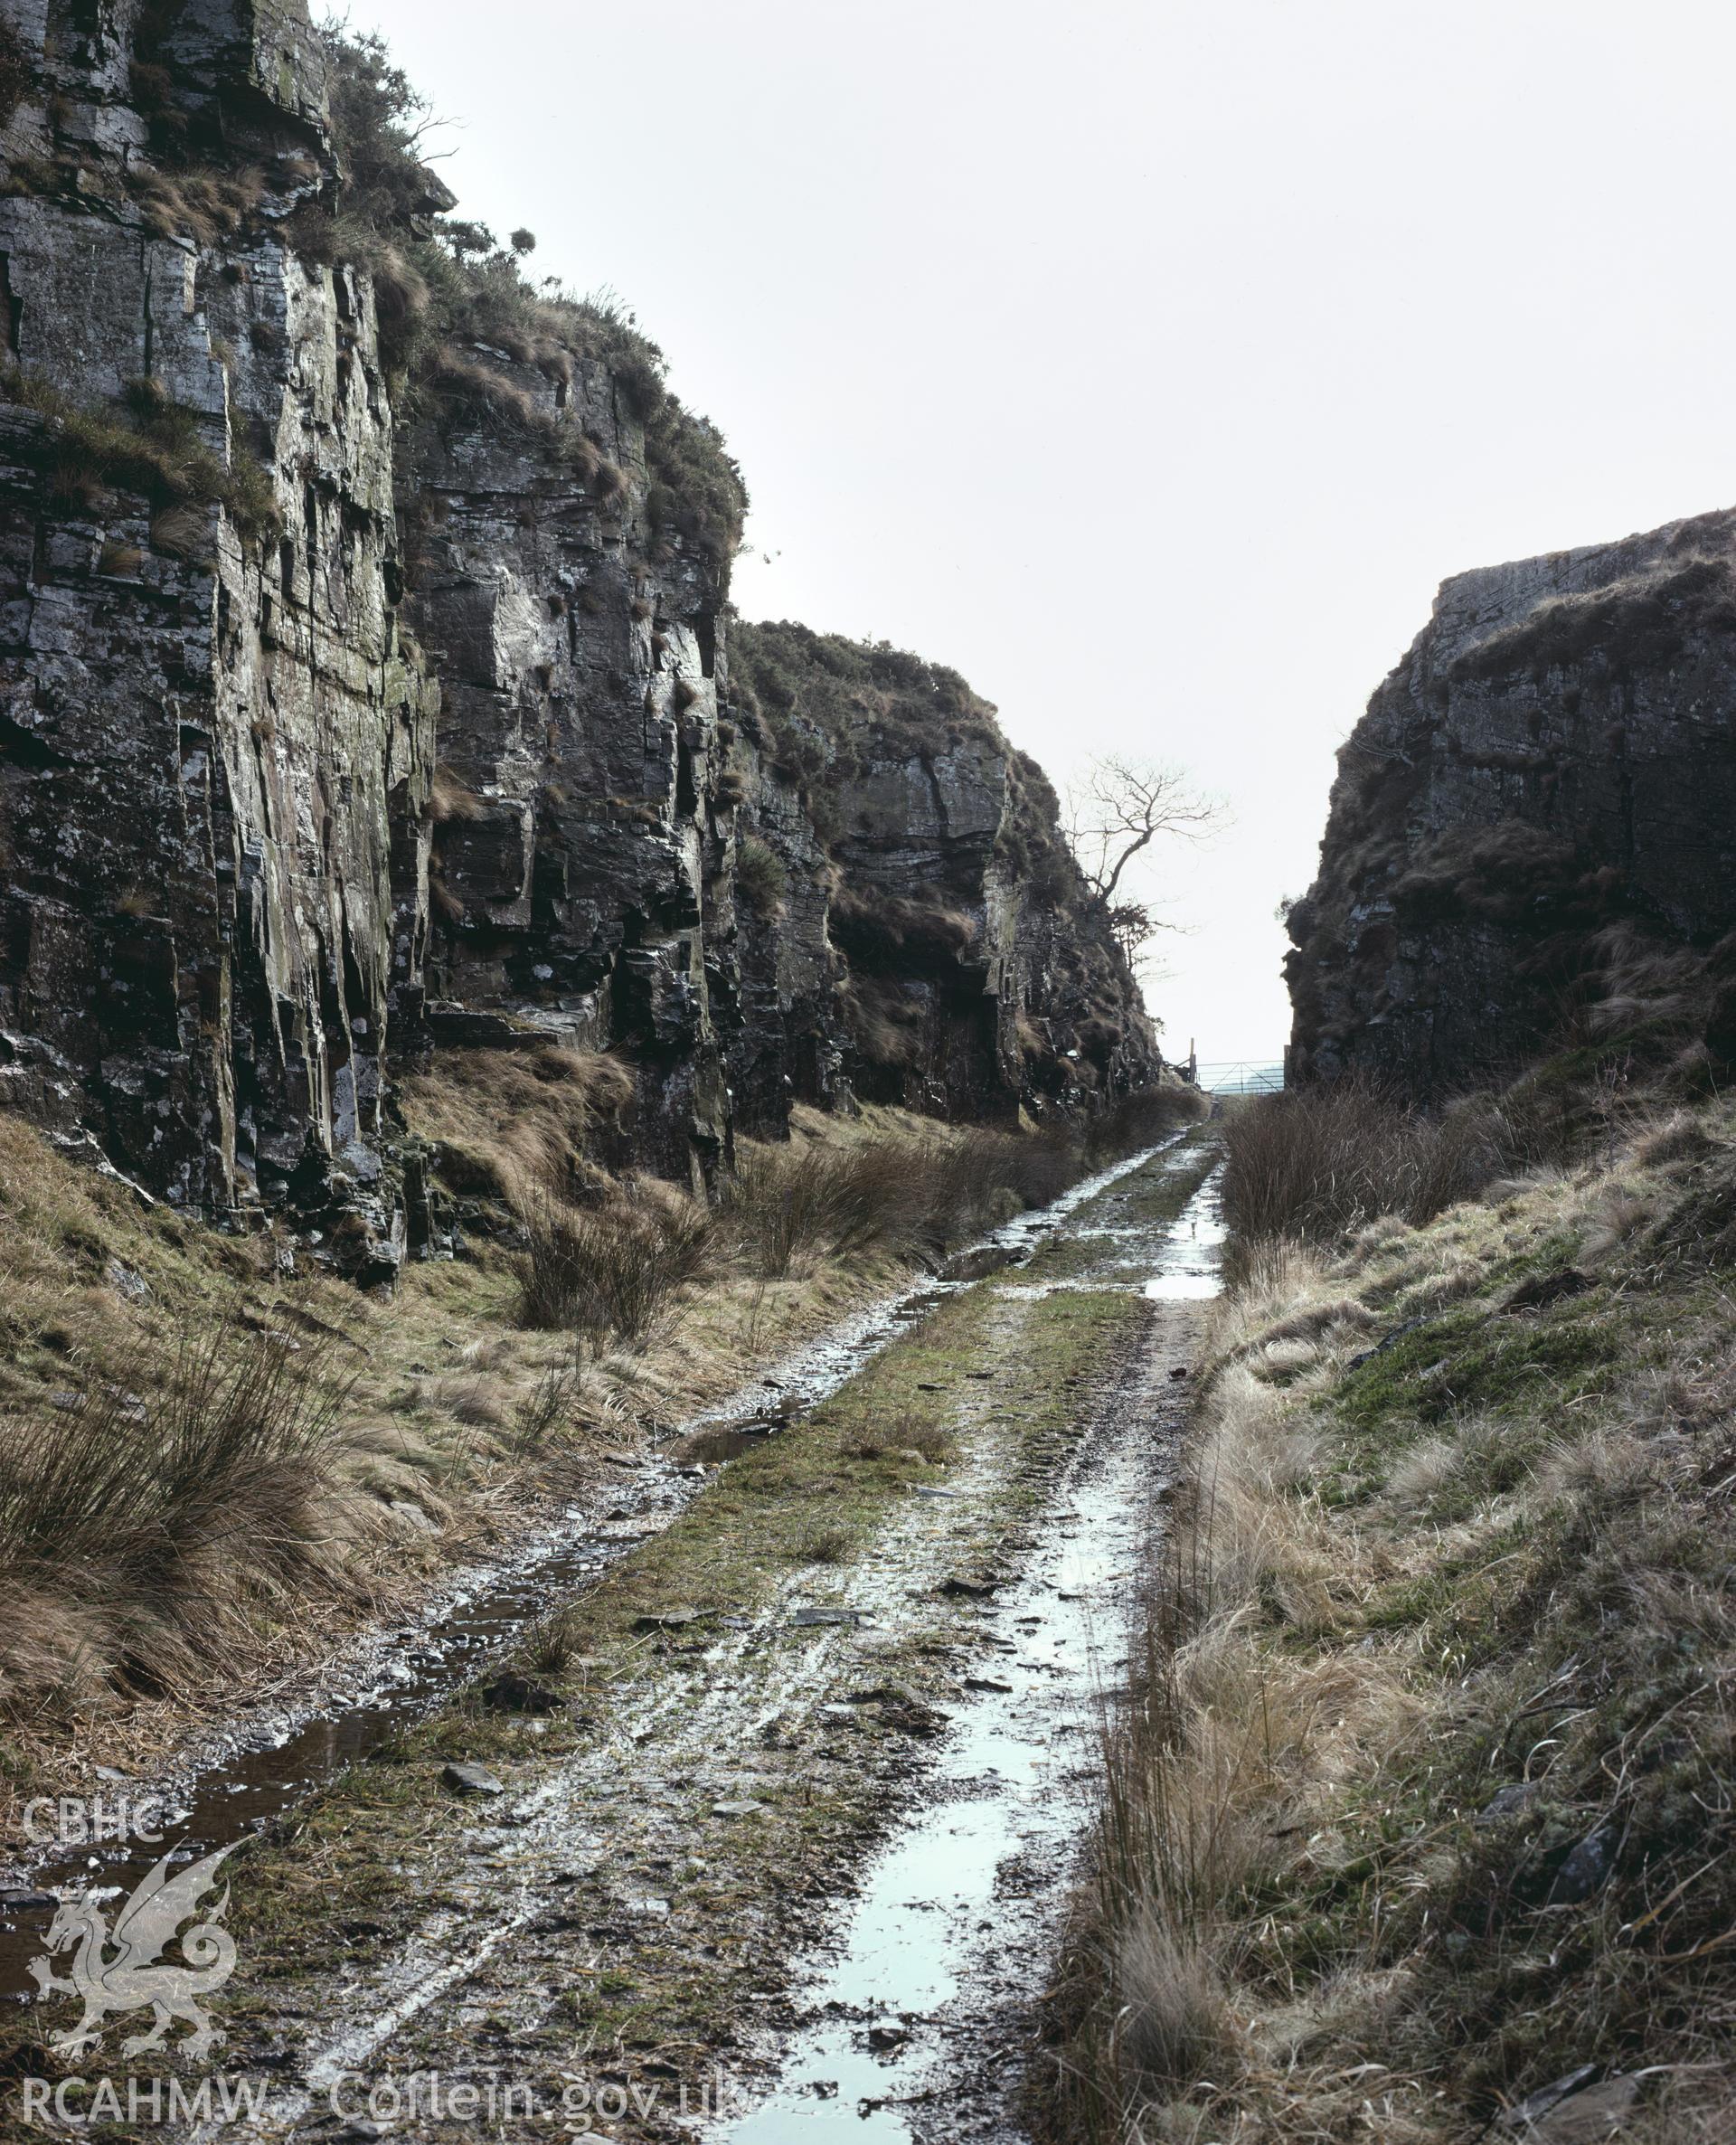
(150, 445)
(909, 1437)
(548, 1410)
(761, 878)
(450, 798)
(197, 201)
(1422, 1799)
(912, 1196)
(139, 1514)
(553, 1648)
(1171, 2000)
(459, 1420)
(824, 1546)
(785, 1204)
(1320, 1162)
(120, 559)
(613, 1272)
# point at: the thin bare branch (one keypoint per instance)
(1122, 806)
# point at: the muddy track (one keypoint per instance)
(793, 1853)
(920, 2020)
(237, 1777)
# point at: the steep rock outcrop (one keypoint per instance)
(1532, 833)
(213, 745)
(971, 974)
(366, 692)
(578, 844)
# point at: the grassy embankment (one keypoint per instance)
(209, 1464)
(1425, 1804)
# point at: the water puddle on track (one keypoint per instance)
(916, 2016)
(1190, 1267)
(254, 1773)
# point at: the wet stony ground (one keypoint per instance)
(769, 1837)
(919, 2021)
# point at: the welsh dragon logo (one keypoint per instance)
(123, 1969)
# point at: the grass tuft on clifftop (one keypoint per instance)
(452, 300)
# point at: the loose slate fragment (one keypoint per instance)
(471, 1779)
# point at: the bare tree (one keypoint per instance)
(1119, 808)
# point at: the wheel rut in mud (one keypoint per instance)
(920, 2021)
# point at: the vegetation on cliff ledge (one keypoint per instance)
(148, 445)
(829, 713)
(451, 299)
(819, 702)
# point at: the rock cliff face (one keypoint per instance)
(214, 748)
(361, 696)
(579, 843)
(968, 972)
(1532, 833)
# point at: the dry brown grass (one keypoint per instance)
(120, 559)
(143, 1513)
(872, 922)
(1173, 2017)
(146, 444)
(1142, 1118)
(1320, 1162)
(614, 1271)
(907, 1437)
(912, 1196)
(203, 204)
(824, 1546)
(1495, 1556)
(760, 877)
(883, 1020)
(516, 1125)
(784, 1205)
(459, 1423)
(449, 796)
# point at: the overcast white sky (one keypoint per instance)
(1151, 365)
